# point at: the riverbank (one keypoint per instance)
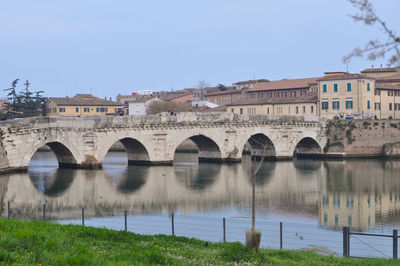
(44, 243)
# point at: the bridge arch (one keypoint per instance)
(307, 147)
(136, 152)
(208, 149)
(53, 183)
(64, 152)
(260, 145)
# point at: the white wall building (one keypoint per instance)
(203, 103)
(138, 107)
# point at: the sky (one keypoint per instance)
(116, 47)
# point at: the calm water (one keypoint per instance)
(313, 199)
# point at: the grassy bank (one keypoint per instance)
(42, 243)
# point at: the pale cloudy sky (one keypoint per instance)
(119, 46)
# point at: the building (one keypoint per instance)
(305, 105)
(138, 106)
(345, 95)
(379, 73)
(285, 88)
(224, 97)
(79, 105)
(177, 97)
(249, 84)
(203, 103)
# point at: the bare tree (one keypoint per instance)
(201, 84)
(156, 107)
(253, 237)
(375, 48)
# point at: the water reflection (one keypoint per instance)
(265, 172)
(196, 176)
(52, 183)
(358, 193)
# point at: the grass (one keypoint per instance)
(41, 243)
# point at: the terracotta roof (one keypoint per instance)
(309, 98)
(83, 100)
(216, 109)
(395, 77)
(223, 92)
(344, 77)
(285, 84)
(251, 81)
(377, 70)
(172, 95)
(387, 86)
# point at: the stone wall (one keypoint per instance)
(363, 138)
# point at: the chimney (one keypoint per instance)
(381, 66)
(110, 99)
(105, 98)
(372, 66)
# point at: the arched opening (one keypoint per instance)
(307, 148)
(126, 150)
(51, 155)
(201, 146)
(52, 183)
(260, 146)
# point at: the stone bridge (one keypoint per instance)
(83, 142)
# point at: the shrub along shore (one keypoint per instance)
(44, 243)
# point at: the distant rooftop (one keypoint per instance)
(344, 76)
(308, 98)
(285, 84)
(380, 70)
(83, 100)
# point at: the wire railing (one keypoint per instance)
(276, 235)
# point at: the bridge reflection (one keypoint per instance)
(356, 193)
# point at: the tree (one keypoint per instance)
(253, 237)
(222, 87)
(201, 84)
(22, 104)
(157, 106)
(375, 48)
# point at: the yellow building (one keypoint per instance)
(305, 105)
(80, 105)
(387, 101)
(346, 95)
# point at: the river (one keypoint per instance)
(314, 199)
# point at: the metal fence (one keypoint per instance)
(275, 234)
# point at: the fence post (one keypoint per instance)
(224, 227)
(173, 224)
(83, 216)
(395, 244)
(126, 220)
(346, 241)
(281, 236)
(44, 211)
(8, 210)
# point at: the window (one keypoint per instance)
(276, 94)
(48, 110)
(102, 109)
(297, 109)
(241, 111)
(269, 95)
(335, 104)
(86, 109)
(390, 107)
(54, 110)
(336, 201)
(335, 87)
(348, 86)
(232, 110)
(324, 88)
(377, 106)
(325, 105)
(325, 219)
(77, 109)
(349, 103)
(368, 86)
(368, 104)
(349, 220)
(268, 110)
(336, 220)
(377, 92)
(62, 110)
(349, 202)
(390, 93)
(325, 200)
(304, 109)
(312, 109)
